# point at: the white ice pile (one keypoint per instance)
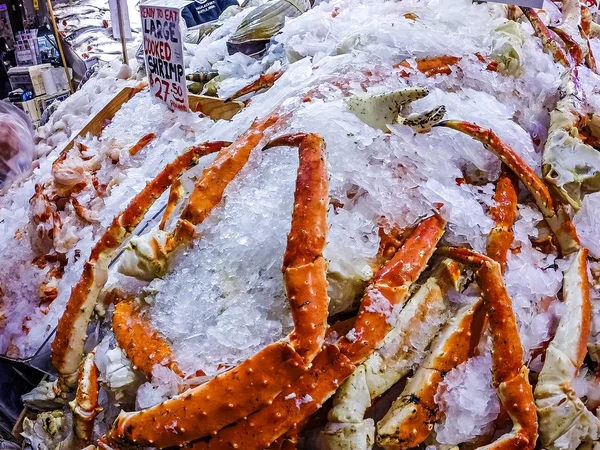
(123, 175)
(225, 312)
(468, 400)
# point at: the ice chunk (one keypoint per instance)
(468, 400)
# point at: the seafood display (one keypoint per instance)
(393, 245)
(85, 26)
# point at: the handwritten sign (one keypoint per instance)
(529, 3)
(163, 51)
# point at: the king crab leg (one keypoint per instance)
(509, 373)
(142, 344)
(548, 42)
(555, 215)
(265, 81)
(67, 347)
(390, 286)
(562, 414)
(410, 419)
(236, 394)
(143, 142)
(85, 406)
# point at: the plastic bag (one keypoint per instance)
(16, 145)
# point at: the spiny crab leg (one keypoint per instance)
(423, 315)
(265, 81)
(390, 286)
(555, 215)
(142, 344)
(548, 42)
(209, 189)
(175, 194)
(562, 414)
(67, 347)
(257, 381)
(504, 214)
(85, 406)
(410, 419)
(143, 142)
(509, 373)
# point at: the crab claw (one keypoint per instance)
(572, 45)
(378, 111)
(555, 215)
(424, 121)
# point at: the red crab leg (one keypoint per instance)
(175, 194)
(142, 344)
(548, 42)
(509, 373)
(85, 405)
(258, 380)
(555, 215)
(390, 286)
(263, 82)
(559, 408)
(303, 263)
(145, 140)
(303, 398)
(67, 347)
(410, 419)
(209, 189)
(503, 214)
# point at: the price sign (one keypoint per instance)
(531, 3)
(163, 52)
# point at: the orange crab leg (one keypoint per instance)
(235, 394)
(410, 419)
(303, 263)
(209, 189)
(142, 344)
(437, 65)
(548, 42)
(144, 141)
(291, 406)
(509, 373)
(390, 286)
(85, 405)
(503, 214)
(572, 46)
(555, 215)
(263, 82)
(67, 347)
